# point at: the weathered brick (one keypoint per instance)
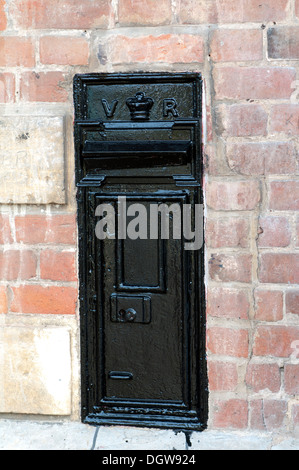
(292, 301)
(223, 376)
(244, 120)
(279, 268)
(64, 50)
(263, 376)
(144, 12)
(16, 264)
(231, 267)
(262, 158)
(43, 86)
(275, 412)
(284, 195)
(58, 265)
(15, 51)
(232, 11)
(256, 418)
(73, 14)
(233, 82)
(170, 48)
(34, 229)
(297, 8)
(7, 88)
(283, 42)
(5, 232)
(237, 45)
(295, 415)
(275, 340)
(233, 195)
(227, 232)
(227, 341)
(274, 231)
(225, 302)
(297, 232)
(45, 300)
(285, 118)
(269, 305)
(291, 379)
(3, 20)
(3, 300)
(232, 413)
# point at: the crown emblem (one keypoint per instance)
(140, 106)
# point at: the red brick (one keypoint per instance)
(291, 379)
(5, 232)
(43, 86)
(292, 301)
(223, 376)
(64, 50)
(253, 82)
(262, 158)
(15, 264)
(279, 268)
(225, 302)
(7, 88)
(231, 413)
(274, 231)
(15, 51)
(72, 14)
(269, 305)
(275, 340)
(246, 120)
(256, 419)
(275, 412)
(231, 267)
(44, 300)
(233, 195)
(170, 48)
(232, 11)
(3, 300)
(263, 377)
(283, 42)
(144, 12)
(209, 124)
(58, 266)
(227, 341)
(3, 21)
(285, 118)
(227, 232)
(284, 195)
(237, 45)
(34, 229)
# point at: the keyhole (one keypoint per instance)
(128, 315)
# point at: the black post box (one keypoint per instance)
(142, 317)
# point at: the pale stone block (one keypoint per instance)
(35, 370)
(32, 160)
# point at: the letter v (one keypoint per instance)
(109, 110)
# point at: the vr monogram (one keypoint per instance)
(140, 107)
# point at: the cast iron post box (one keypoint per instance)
(138, 174)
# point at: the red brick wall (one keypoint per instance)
(247, 51)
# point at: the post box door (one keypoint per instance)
(144, 316)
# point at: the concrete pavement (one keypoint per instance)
(66, 435)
